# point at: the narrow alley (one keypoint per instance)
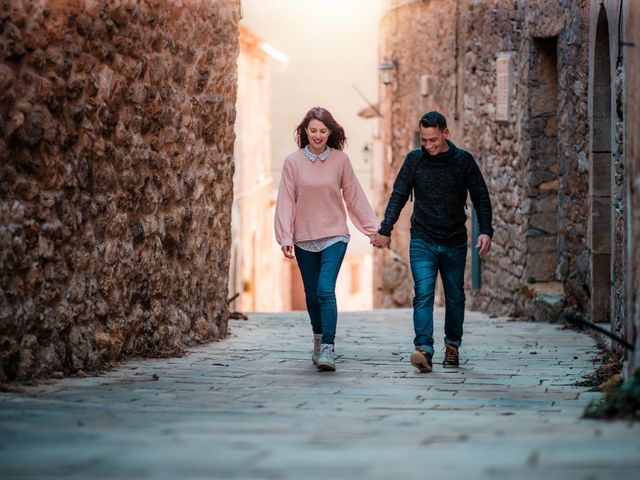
(143, 148)
(253, 406)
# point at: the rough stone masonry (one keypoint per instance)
(116, 144)
(536, 164)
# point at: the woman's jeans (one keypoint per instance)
(427, 259)
(319, 274)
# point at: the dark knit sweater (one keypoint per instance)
(440, 184)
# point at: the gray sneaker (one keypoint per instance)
(327, 359)
(317, 340)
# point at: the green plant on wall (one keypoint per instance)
(621, 402)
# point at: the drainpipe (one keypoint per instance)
(475, 256)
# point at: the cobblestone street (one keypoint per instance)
(253, 406)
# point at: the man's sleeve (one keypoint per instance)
(402, 188)
(479, 197)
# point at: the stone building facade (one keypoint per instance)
(632, 169)
(116, 164)
(424, 77)
(255, 255)
(534, 90)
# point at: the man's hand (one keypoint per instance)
(380, 241)
(288, 251)
(484, 244)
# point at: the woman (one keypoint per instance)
(311, 224)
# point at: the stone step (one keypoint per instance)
(548, 300)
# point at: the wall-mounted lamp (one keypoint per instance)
(386, 69)
(366, 152)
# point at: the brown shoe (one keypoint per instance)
(421, 359)
(451, 357)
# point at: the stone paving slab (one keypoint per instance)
(253, 406)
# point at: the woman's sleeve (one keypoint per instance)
(358, 205)
(285, 207)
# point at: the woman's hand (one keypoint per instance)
(288, 251)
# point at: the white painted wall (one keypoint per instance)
(331, 45)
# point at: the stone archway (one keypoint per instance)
(600, 176)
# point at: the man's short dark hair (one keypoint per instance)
(433, 119)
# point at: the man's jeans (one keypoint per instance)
(319, 274)
(427, 259)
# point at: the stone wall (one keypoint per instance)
(537, 163)
(116, 144)
(632, 168)
(499, 146)
(431, 60)
(606, 236)
(255, 255)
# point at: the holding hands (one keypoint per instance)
(380, 241)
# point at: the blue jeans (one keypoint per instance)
(427, 259)
(319, 274)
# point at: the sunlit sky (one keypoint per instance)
(331, 45)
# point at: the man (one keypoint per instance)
(440, 175)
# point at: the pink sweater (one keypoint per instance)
(310, 199)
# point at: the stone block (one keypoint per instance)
(548, 201)
(600, 288)
(601, 174)
(542, 244)
(550, 186)
(601, 136)
(547, 308)
(601, 225)
(541, 267)
(545, 221)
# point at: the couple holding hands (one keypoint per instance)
(318, 180)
